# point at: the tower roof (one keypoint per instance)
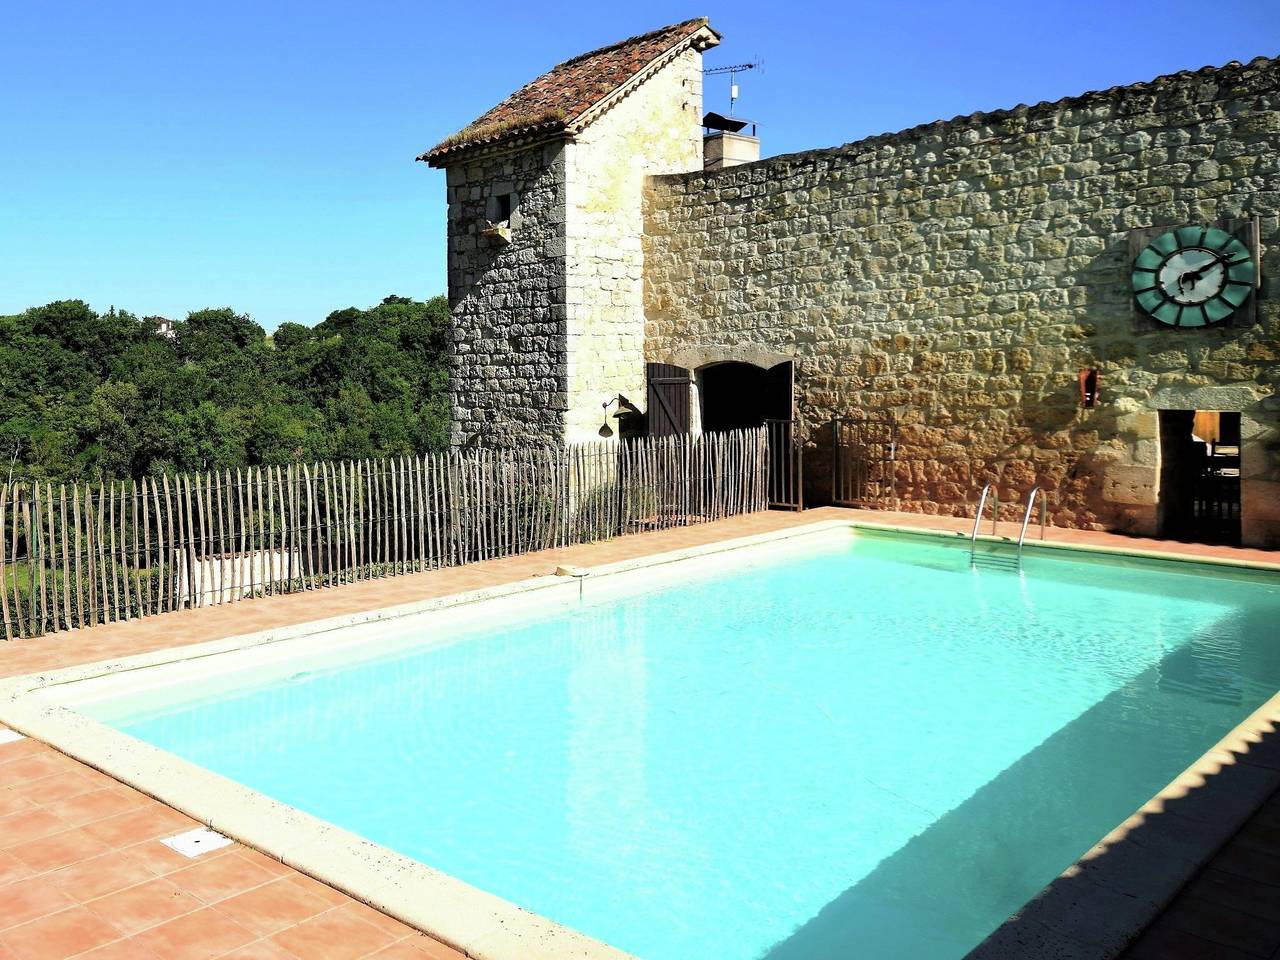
(563, 98)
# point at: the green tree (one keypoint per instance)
(111, 428)
(85, 395)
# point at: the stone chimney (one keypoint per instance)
(725, 145)
(725, 149)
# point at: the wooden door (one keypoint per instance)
(668, 399)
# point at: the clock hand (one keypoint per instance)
(1192, 277)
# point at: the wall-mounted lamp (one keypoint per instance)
(625, 408)
(1089, 387)
(497, 234)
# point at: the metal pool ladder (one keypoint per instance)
(977, 519)
(987, 491)
(1026, 518)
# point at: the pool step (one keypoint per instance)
(995, 561)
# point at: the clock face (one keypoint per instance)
(1193, 276)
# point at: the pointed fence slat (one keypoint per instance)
(344, 510)
(5, 567)
(244, 568)
(290, 514)
(267, 523)
(308, 534)
(402, 534)
(39, 596)
(99, 532)
(286, 529)
(122, 520)
(266, 532)
(385, 499)
(366, 518)
(178, 512)
(357, 519)
(15, 577)
(65, 554)
(228, 556)
(25, 510)
(90, 557)
(204, 550)
(327, 531)
(107, 547)
(144, 566)
(161, 560)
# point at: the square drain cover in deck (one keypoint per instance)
(10, 736)
(197, 841)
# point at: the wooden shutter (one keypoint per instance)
(668, 401)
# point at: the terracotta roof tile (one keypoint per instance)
(564, 93)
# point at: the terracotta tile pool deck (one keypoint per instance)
(83, 872)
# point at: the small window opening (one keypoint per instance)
(502, 208)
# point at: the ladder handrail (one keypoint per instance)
(977, 519)
(988, 492)
(1026, 518)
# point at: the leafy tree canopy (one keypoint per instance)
(85, 395)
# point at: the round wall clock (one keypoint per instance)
(1193, 276)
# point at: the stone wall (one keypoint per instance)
(656, 129)
(958, 276)
(508, 370)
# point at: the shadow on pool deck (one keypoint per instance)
(929, 898)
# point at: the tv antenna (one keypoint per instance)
(733, 72)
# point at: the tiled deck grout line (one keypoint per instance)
(200, 903)
(207, 905)
(171, 875)
(231, 851)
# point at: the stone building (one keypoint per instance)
(1073, 295)
(545, 226)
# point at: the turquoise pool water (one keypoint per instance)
(864, 749)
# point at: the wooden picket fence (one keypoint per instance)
(79, 555)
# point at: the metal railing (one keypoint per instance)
(1026, 518)
(987, 491)
(786, 465)
(863, 462)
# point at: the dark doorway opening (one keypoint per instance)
(1200, 476)
(738, 395)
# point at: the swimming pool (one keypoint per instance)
(847, 741)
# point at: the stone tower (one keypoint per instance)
(545, 224)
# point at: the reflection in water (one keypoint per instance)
(605, 789)
(935, 896)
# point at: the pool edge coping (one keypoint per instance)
(487, 927)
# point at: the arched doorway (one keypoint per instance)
(733, 395)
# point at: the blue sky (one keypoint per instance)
(164, 157)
